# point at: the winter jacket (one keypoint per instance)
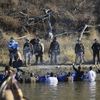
(13, 46)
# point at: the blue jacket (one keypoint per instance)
(13, 46)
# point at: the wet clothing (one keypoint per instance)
(96, 50)
(79, 75)
(52, 81)
(91, 76)
(13, 48)
(79, 51)
(54, 51)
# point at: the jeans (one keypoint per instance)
(53, 58)
(27, 57)
(13, 57)
(96, 54)
(79, 57)
(37, 58)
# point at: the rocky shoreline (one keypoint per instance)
(43, 69)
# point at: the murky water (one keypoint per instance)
(64, 91)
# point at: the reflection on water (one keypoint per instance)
(64, 91)
(92, 90)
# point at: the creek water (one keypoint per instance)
(63, 91)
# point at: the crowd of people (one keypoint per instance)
(36, 47)
(10, 90)
(77, 74)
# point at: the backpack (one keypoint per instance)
(38, 48)
(26, 45)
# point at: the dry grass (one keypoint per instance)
(9, 23)
(3, 56)
(68, 13)
(67, 45)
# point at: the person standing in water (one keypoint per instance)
(79, 74)
(52, 80)
(91, 75)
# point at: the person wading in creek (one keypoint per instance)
(91, 75)
(79, 74)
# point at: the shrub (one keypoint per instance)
(9, 23)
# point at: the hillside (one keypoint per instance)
(17, 17)
(69, 15)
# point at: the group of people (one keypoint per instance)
(80, 51)
(10, 90)
(80, 75)
(53, 78)
(36, 47)
(30, 48)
